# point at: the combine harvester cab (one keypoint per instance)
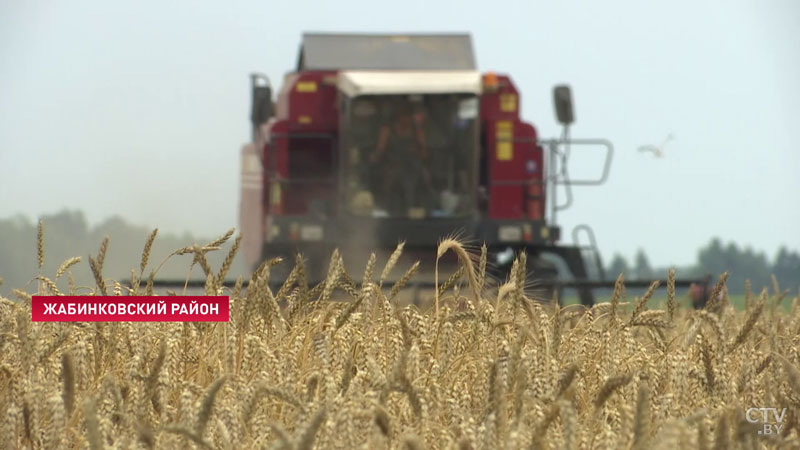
(377, 139)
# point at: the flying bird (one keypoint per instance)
(658, 151)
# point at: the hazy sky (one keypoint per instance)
(140, 108)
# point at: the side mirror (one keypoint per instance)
(262, 105)
(261, 109)
(562, 100)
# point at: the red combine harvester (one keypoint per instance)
(376, 139)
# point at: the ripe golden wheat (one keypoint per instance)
(491, 368)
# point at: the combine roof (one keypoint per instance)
(321, 51)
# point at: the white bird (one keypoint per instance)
(658, 151)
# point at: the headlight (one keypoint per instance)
(311, 233)
(509, 233)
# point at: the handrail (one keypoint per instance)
(558, 175)
(554, 143)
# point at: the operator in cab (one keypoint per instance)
(402, 150)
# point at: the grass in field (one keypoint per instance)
(485, 368)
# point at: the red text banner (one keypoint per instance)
(168, 308)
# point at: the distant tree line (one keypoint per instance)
(68, 234)
(715, 258)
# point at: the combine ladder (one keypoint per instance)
(590, 252)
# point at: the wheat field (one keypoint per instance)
(341, 365)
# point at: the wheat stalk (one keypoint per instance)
(40, 244)
(66, 265)
(207, 406)
(466, 262)
(390, 263)
(671, 294)
(609, 387)
(68, 377)
(228, 262)
(403, 281)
